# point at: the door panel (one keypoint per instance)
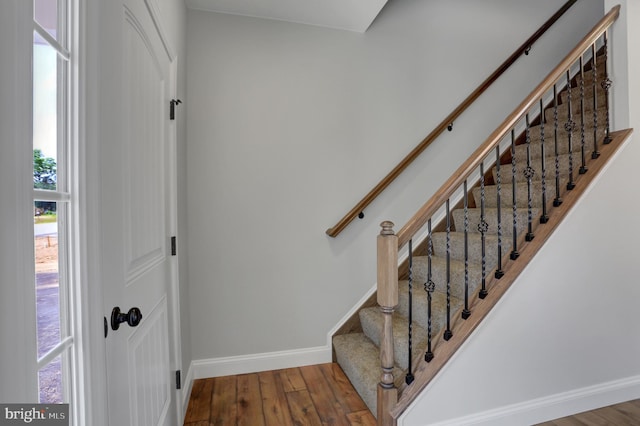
(148, 349)
(143, 157)
(134, 157)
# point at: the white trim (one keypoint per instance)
(242, 364)
(64, 53)
(187, 385)
(48, 195)
(94, 380)
(55, 351)
(554, 406)
(154, 11)
(356, 307)
(175, 328)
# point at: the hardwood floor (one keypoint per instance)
(313, 395)
(322, 395)
(626, 413)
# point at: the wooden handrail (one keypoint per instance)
(456, 180)
(406, 161)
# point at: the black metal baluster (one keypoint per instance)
(595, 154)
(429, 287)
(544, 218)
(570, 126)
(556, 201)
(466, 313)
(448, 334)
(583, 166)
(606, 85)
(483, 227)
(409, 377)
(529, 173)
(514, 252)
(499, 272)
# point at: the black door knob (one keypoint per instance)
(133, 317)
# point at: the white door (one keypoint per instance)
(135, 161)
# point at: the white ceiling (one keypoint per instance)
(352, 15)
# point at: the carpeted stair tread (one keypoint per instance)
(474, 252)
(372, 321)
(420, 301)
(549, 164)
(506, 197)
(439, 274)
(535, 150)
(491, 217)
(359, 358)
(563, 114)
(588, 98)
(588, 75)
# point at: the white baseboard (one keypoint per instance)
(554, 406)
(242, 364)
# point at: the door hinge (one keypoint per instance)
(172, 108)
(178, 380)
(173, 246)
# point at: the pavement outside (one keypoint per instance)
(48, 316)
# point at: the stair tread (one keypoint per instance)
(372, 321)
(420, 300)
(550, 164)
(491, 217)
(563, 139)
(506, 198)
(359, 358)
(438, 274)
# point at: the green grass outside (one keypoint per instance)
(45, 218)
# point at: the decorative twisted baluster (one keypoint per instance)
(528, 174)
(583, 165)
(448, 334)
(544, 218)
(483, 227)
(556, 201)
(570, 127)
(606, 85)
(595, 154)
(409, 377)
(499, 272)
(514, 252)
(429, 287)
(466, 313)
(387, 296)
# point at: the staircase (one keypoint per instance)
(490, 208)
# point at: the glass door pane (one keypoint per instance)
(45, 114)
(47, 276)
(51, 382)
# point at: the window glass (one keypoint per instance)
(46, 13)
(45, 115)
(47, 268)
(51, 383)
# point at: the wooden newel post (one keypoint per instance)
(388, 300)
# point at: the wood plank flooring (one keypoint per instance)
(624, 414)
(312, 395)
(322, 395)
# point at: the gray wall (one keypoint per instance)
(290, 125)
